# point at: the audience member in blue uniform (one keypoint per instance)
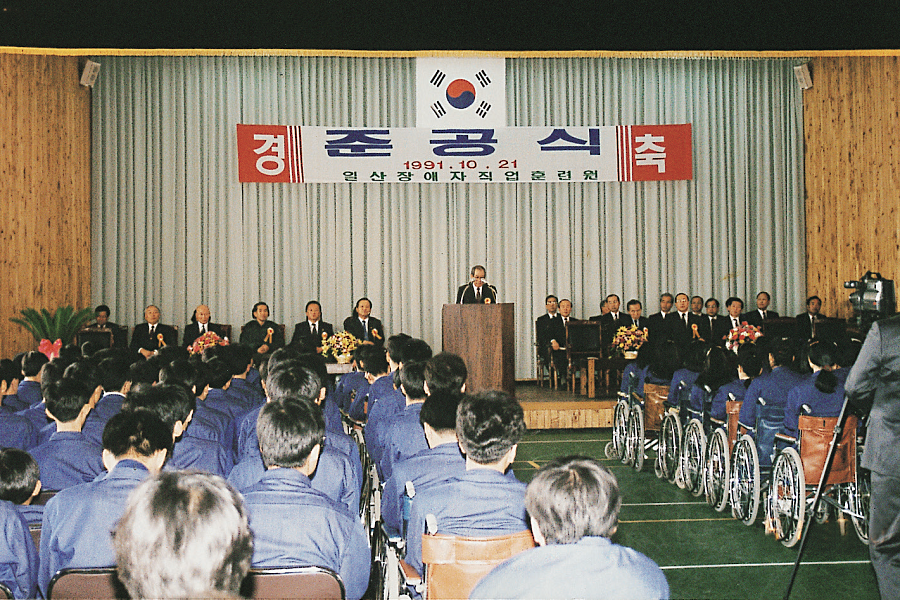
(718, 370)
(384, 401)
(350, 384)
(29, 391)
(174, 406)
(294, 524)
(17, 431)
(442, 460)
(19, 484)
(360, 401)
(574, 505)
(206, 422)
(773, 386)
(246, 394)
(113, 373)
(75, 532)
(684, 377)
(823, 393)
(483, 501)
(10, 376)
(403, 433)
(183, 535)
(68, 458)
(750, 365)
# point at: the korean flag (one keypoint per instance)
(460, 92)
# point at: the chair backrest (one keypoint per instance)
(732, 410)
(43, 497)
(35, 531)
(583, 339)
(226, 331)
(101, 337)
(86, 583)
(654, 397)
(293, 582)
(815, 436)
(455, 564)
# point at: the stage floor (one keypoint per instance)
(546, 408)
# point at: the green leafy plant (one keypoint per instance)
(61, 325)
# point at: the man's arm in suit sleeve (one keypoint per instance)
(863, 378)
(459, 294)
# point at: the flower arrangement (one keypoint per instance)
(629, 338)
(205, 341)
(340, 346)
(743, 334)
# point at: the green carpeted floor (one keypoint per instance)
(706, 554)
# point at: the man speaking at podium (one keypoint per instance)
(477, 291)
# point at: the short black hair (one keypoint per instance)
(547, 299)
(180, 372)
(139, 432)
(19, 474)
(394, 346)
(144, 371)
(415, 350)
(65, 398)
(170, 403)
(412, 378)
(768, 297)
(293, 380)
(445, 372)
(376, 363)
(102, 308)
(732, 300)
(32, 363)
(634, 302)
(811, 298)
(573, 497)
(288, 430)
(667, 295)
(750, 359)
(237, 356)
(113, 373)
(8, 371)
(183, 535)
(310, 303)
(86, 372)
(256, 306)
(439, 411)
(488, 425)
(218, 373)
(711, 299)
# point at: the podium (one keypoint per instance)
(482, 334)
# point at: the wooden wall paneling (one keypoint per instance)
(45, 239)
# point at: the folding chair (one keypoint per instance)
(86, 583)
(293, 582)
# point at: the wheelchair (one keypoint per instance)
(796, 474)
(718, 455)
(616, 449)
(667, 464)
(692, 451)
(749, 477)
(633, 418)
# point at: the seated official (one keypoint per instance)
(309, 334)
(19, 484)
(77, 521)
(574, 503)
(808, 321)
(102, 322)
(551, 337)
(294, 524)
(762, 313)
(483, 501)
(183, 535)
(200, 324)
(152, 335)
(364, 327)
(733, 320)
(610, 321)
(261, 334)
(477, 291)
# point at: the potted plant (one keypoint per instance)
(60, 327)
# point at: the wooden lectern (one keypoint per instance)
(482, 334)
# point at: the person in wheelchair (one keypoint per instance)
(822, 394)
(718, 370)
(750, 364)
(634, 373)
(684, 378)
(773, 387)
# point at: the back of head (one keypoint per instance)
(573, 497)
(825, 355)
(375, 362)
(488, 425)
(445, 372)
(412, 378)
(32, 363)
(143, 371)
(19, 474)
(136, 433)
(183, 535)
(666, 359)
(293, 380)
(65, 398)
(218, 373)
(84, 371)
(695, 357)
(717, 369)
(237, 357)
(415, 350)
(288, 430)
(750, 360)
(180, 372)
(439, 411)
(781, 349)
(395, 345)
(170, 403)
(113, 373)
(170, 354)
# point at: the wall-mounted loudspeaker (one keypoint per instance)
(804, 77)
(89, 73)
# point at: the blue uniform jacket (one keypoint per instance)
(29, 392)
(200, 455)
(403, 438)
(384, 401)
(480, 502)
(773, 387)
(736, 387)
(17, 431)
(294, 524)
(18, 556)
(75, 532)
(107, 406)
(822, 404)
(68, 458)
(348, 383)
(593, 568)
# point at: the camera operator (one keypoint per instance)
(874, 381)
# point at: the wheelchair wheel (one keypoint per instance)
(743, 485)
(788, 497)
(636, 437)
(860, 500)
(620, 430)
(669, 442)
(693, 453)
(717, 470)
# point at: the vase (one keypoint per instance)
(630, 354)
(344, 359)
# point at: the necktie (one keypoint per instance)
(477, 293)
(734, 322)
(315, 330)
(634, 321)
(152, 329)
(202, 328)
(565, 321)
(365, 325)
(684, 318)
(764, 315)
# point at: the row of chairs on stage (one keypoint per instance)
(746, 468)
(105, 338)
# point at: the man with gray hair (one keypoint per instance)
(574, 503)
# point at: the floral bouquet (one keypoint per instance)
(743, 334)
(629, 339)
(340, 346)
(205, 341)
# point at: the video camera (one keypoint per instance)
(873, 298)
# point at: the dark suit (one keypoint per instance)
(683, 333)
(192, 332)
(466, 294)
(711, 328)
(141, 337)
(120, 332)
(661, 328)
(551, 329)
(724, 327)
(874, 378)
(303, 338)
(804, 330)
(609, 326)
(355, 326)
(754, 318)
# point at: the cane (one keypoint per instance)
(838, 429)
